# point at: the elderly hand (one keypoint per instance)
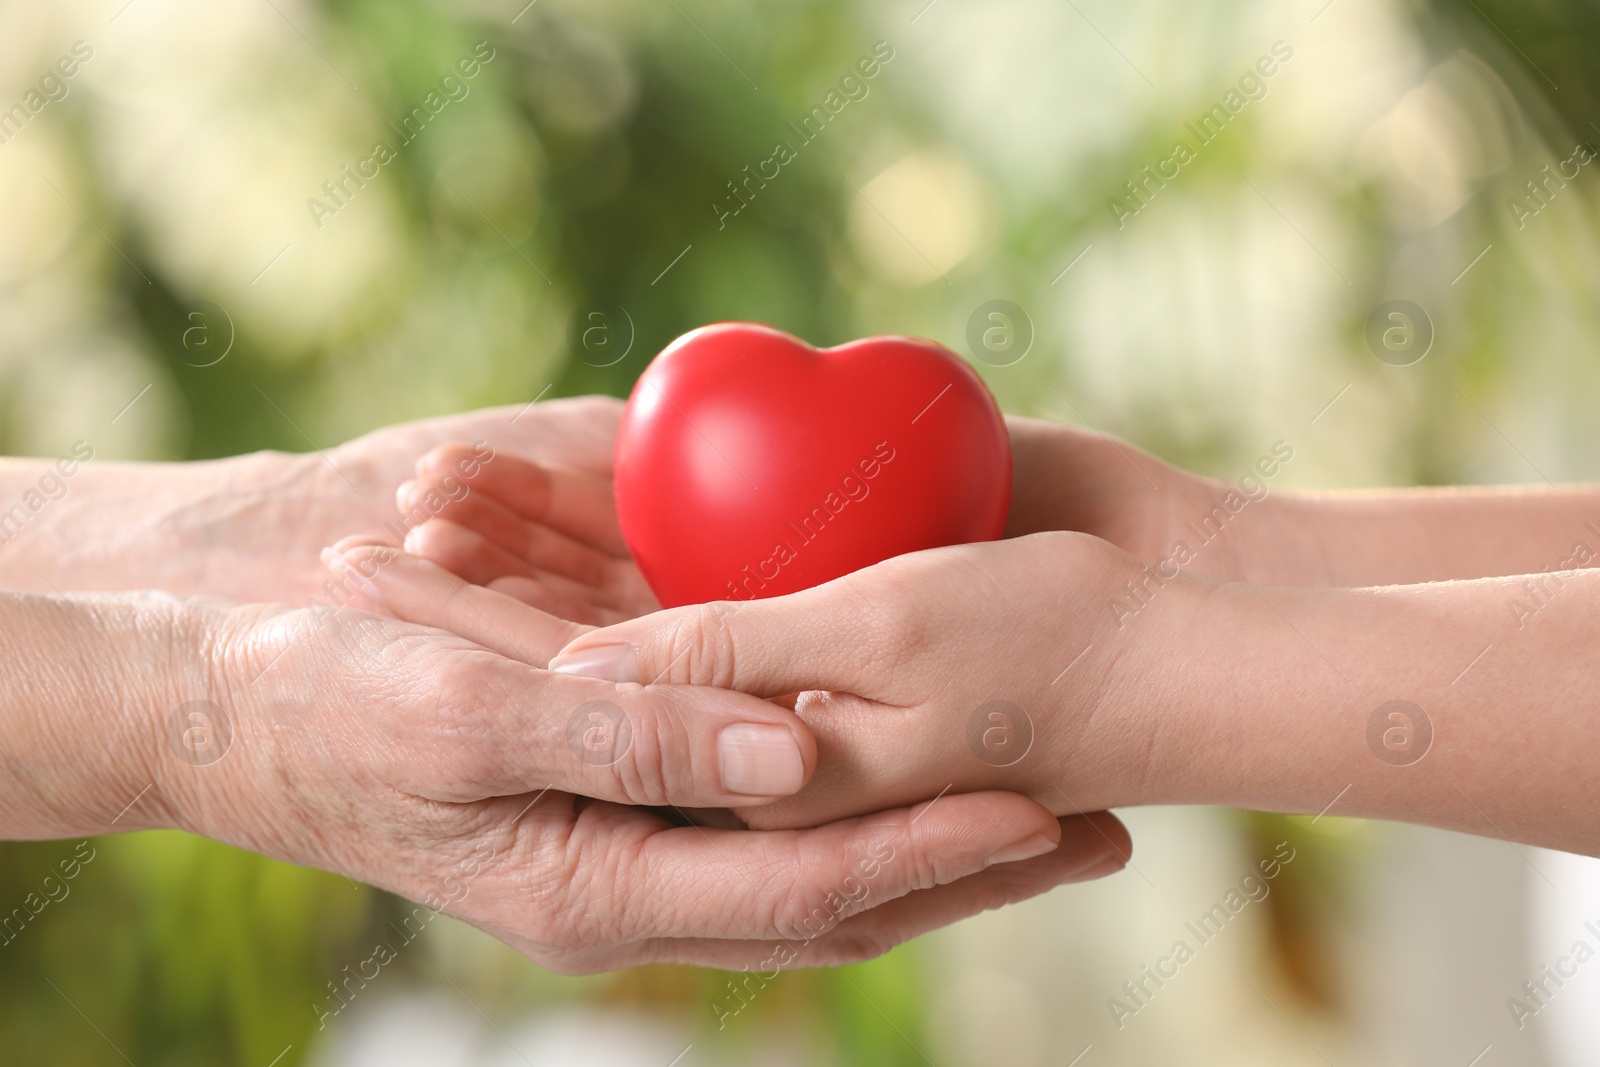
(459, 778)
(1090, 846)
(541, 532)
(549, 538)
(252, 527)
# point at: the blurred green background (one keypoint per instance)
(158, 216)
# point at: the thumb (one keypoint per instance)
(827, 638)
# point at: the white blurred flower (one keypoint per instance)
(920, 217)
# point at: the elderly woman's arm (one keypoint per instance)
(250, 527)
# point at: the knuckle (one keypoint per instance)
(422, 715)
(1073, 549)
(923, 869)
(803, 917)
(897, 855)
(566, 931)
(600, 894)
(699, 649)
(816, 909)
(800, 912)
(653, 765)
(855, 945)
(896, 620)
(555, 899)
(462, 717)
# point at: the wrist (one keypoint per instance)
(85, 699)
(1116, 675)
(1242, 529)
(1283, 545)
(229, 527)
(1155, 742)
(1191, 669)
(1067, 478)
(215, 745)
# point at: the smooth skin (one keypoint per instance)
(1250, 678)
(423, 762)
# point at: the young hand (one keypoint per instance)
(1068, 478)
(1025, 664)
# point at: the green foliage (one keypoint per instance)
(171, 949)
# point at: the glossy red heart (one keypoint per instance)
(750, 464)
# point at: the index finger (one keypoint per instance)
(416, 590)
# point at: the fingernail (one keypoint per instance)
(1026, 849)
(609, 663)
(759, 760)
(1110, 865)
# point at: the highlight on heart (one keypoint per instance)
(1083, 556)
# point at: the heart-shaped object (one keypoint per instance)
(750, 464)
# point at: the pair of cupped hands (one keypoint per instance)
(534, 746)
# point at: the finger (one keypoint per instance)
(539, 595)
(873, 751)
(464, 552)
(1088, 850)
(471, 555)
(353, 590)
(415, 590)
(472, 724)
(371, 537)
(1092, 846)
(533, 542)
(700, 882)
(571, 501)
(826, 638)
(480, 561)
(588, 594)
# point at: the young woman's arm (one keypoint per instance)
(1060, 667)
(1246, 527)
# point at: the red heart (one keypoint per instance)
(750, 464)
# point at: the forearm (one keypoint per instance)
(236, 527)
(85, 689)
(1401, 537)
(252, 528)
(1067, 478)
(1282, 691)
